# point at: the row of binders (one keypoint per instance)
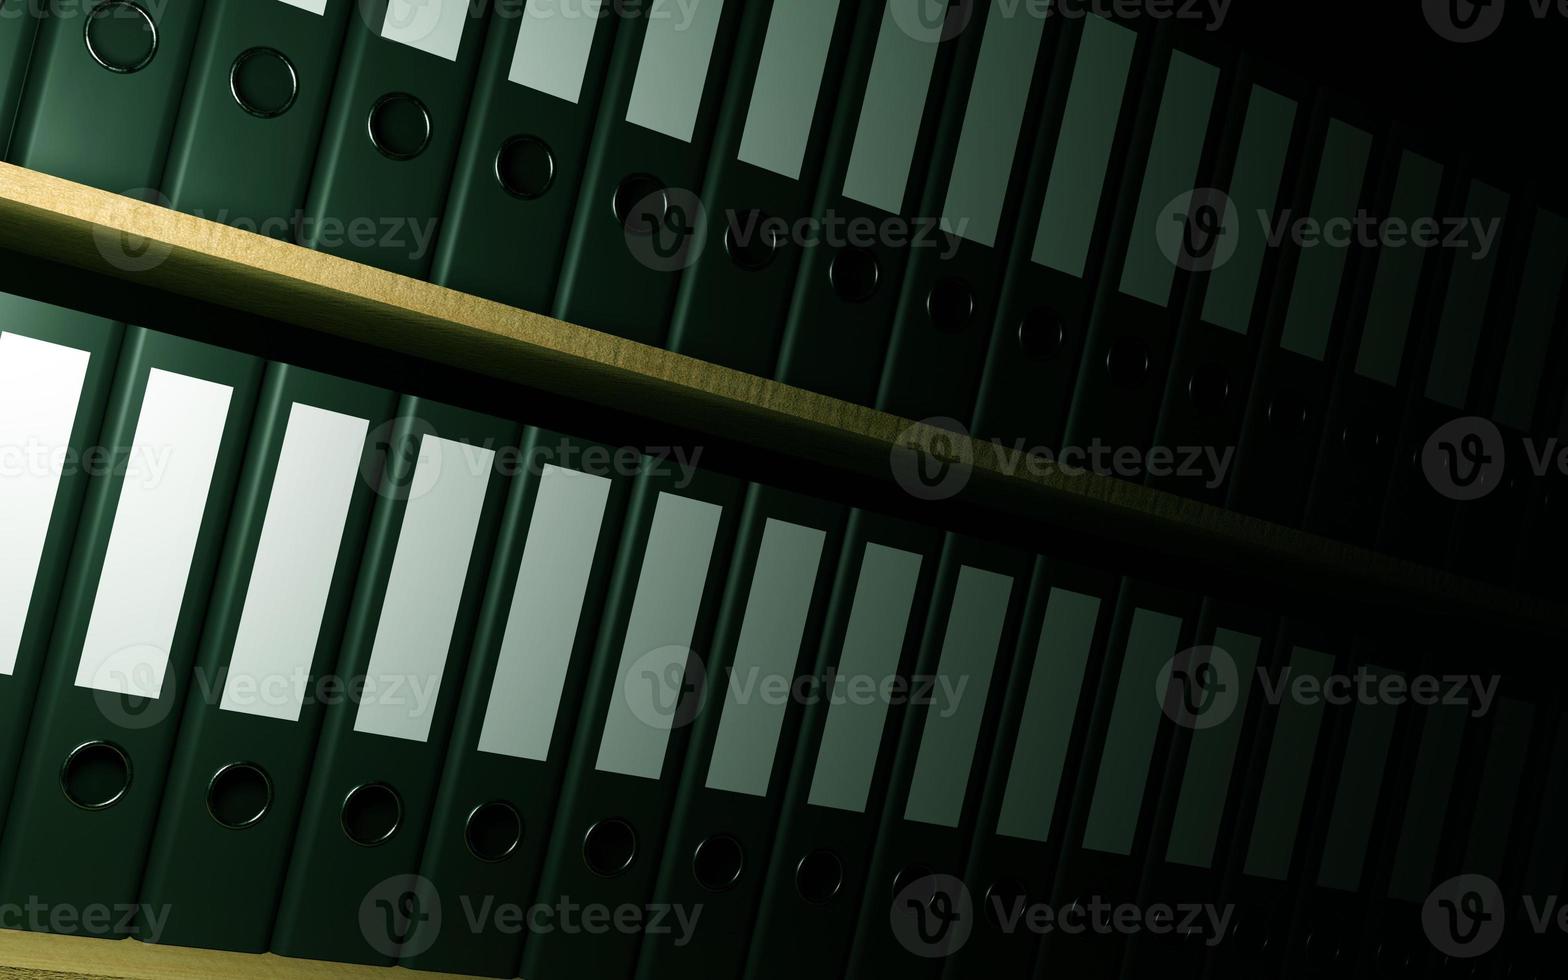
(294, 663)
(979, 213)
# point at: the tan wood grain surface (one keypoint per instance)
(117, 236)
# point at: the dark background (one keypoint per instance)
(1501, 97)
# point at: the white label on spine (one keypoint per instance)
(547, 604)
(873, 641)
(673, 70)
(650, 689)
(313, 6)
(153, 540)
(432, 26)
(40, 387)
(895, 102)
(993, 122)
(952, 730)
(789, 83)
(301, 536)
(554, 43)
(424, 590)
(765, 655)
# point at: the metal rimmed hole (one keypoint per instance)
(371, 814)
(96, 775)
(399, 126)
(750, 242)
(854, 274)
(912, 875)
(493, 831)
(610, 847)
(239, 795)
(819, 877)
(1041, 334)
(121, 36)
(1004, 899)
(718, 862)
(525, 167)
(951, 305)
(1209, 388)
(1128, 361)
(263, 82)
(1289, 415)
(640, 203)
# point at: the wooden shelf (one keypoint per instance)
(38, 956)
(81, 227)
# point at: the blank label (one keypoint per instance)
(673, 70)
(789, 82)
(1035, 776)
(895, 102)
(952, 730)
(1355, 800)
(1398, 275)
(1285, 777)
(291, 577)
(554, 42)
(651, 679)
(40, 387)
(433, 26)
(153, 541)
(769, 647)
(873, 641)
(314, 6)
(993, 122)
(1534, 318)
(1464, 310)
(547, 606)
(424, 590)
(1083, 147)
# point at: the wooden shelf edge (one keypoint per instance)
(86, 228)
(41, 956)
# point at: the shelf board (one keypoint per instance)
(40, 956)
(81, 227)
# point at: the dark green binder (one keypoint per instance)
(785, 90)
(977, 174)
(242, 761)
(637, 210)
(141, 568)
(514, 190)
(816, 873)
(351, 892)
(653, 665)
(510, 745)
(121, 88)
(727, 804)
(260, 81)
(58, 366)
(379, 183)
(938, 772)
(18, 28)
